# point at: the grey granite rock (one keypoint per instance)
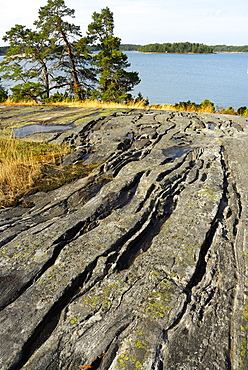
(147, 271)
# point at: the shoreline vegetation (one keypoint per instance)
(56, 56)
(184, 48)
(206, 106)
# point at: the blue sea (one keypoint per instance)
(170, 78)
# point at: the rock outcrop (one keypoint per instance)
(143, 263)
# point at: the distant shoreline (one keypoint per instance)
(160, 52)
(184, 48)
(214, 49)
(215, 52)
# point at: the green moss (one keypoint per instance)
(54, 176)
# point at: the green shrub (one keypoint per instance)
(3, 94)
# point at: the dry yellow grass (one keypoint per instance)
(86, 103)
(11, 103)
(164, 107)
(111, 105)
(21, 164)
(182, 109)
(97, 104)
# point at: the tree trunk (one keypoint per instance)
(73, 67)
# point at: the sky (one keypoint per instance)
(210, 22)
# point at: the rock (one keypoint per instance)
(147, 270)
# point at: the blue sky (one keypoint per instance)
(147, 21)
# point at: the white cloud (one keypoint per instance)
(219, 13)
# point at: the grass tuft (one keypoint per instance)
(21, 164)
(84, 104)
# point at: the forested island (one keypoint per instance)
(3, 50)
(177, 47)
(184, 47)
(230, 49)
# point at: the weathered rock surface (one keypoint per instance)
(147, 271)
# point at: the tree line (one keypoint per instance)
(183, 47)
(230, 48)
(177, 47)
(55, 55)
(3, 50)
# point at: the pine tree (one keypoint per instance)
(72, 52)
(53, 56)
(27, 60)
(114, 81)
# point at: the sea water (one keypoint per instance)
(170, 78)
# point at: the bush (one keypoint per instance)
(208, 105)
(3, 94)
(230, 110)
(141, 99)
(186, 105)
(27, 91)
(56, 97)
(241, 111)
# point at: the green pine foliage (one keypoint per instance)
(28, 60)
(72, 57)
(55, 56)
(3, 94)
(114, 81)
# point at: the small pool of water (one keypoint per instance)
(38, 128)
(175, 152)
(211, 126)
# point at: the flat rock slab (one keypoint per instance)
(146, 271)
